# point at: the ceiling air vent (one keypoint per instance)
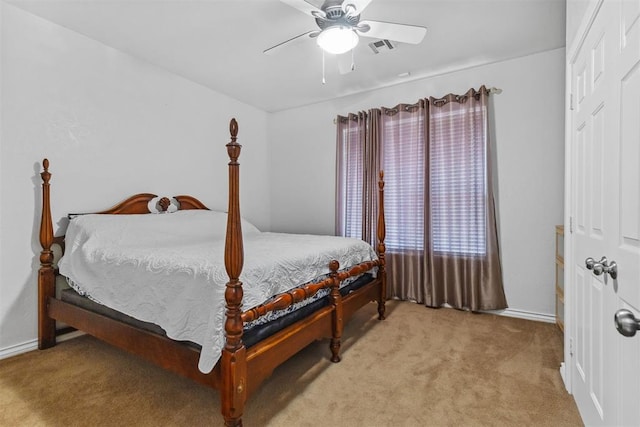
(380, 46)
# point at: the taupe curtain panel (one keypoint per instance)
(442, 245)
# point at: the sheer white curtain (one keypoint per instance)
(442, 245)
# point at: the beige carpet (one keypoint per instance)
(420, 367)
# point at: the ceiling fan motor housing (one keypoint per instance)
(335, 16)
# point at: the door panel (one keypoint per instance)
(627, 241)
(592, 122)
(605, 204)
(596, 172)
(629, 349)
(628, 245)
(581, 178)
(595, 341)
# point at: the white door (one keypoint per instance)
(605, 216)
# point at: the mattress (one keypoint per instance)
(167, 269)
(252, 334)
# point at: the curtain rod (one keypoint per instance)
(493, 90)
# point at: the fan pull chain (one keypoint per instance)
(323, 80)
(353, 60)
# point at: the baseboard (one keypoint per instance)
(17, 349)
(28, 346)
(522, 314)
(69, 336)
(563, 374)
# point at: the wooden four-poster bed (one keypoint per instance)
(241, 368)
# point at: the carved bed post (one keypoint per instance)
(337, 321)
(46, 273)
(381, 248)
(233, 361)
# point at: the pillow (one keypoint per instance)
(179, 227)
(163, 205)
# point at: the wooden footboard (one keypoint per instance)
(239, 371)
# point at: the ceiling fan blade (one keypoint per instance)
(305, 7)
(345, 63)
(359, 5)
(403, 33)
(291, 41)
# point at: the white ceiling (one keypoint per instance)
(219, 43)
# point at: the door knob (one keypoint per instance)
(590, 263)
(626, 322)
(598, 268)
(612, 269)
(602, 266)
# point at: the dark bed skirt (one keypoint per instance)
(249, 337)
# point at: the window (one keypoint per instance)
(352, 162)
(441, 235)
(404, 169)
(456, 177)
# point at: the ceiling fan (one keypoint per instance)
(340, 26)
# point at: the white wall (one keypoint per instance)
(529, 123)
(111, 126)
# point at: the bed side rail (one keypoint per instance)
(289, 298)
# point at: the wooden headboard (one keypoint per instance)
(136, 204)
(139, 204)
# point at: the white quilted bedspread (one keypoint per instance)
(168, 269)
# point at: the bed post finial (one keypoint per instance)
(233, 361)
(233, 129)
(233, 150)
(382, 232)
(46, 273)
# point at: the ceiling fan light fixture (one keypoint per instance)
(337, 39)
